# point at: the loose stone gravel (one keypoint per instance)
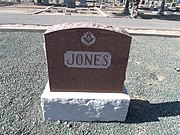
(152, 82)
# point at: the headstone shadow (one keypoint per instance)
(143, 111)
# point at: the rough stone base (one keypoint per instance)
(84, 106)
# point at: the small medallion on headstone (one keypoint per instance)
(88, 39)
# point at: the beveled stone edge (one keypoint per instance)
(71, 25)
(91, 95)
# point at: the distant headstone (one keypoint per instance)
(86, 57)
(71, 4)
(86, 66)
(46, 2)
(83, 3)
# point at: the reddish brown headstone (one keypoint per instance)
(86, 57)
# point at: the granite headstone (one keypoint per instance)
(86, 57)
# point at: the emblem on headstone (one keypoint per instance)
(88, 39)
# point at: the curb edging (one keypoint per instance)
(131, 31)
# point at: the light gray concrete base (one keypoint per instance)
(84, 106)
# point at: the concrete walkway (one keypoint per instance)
(133, 26)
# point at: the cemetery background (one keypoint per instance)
(97, 8)
(152, 82)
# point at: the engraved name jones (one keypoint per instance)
(82, 59)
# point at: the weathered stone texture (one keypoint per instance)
(81, 106)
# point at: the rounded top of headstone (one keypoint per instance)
(72, 25)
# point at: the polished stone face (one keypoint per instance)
(87, 59)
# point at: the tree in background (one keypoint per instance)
(126, 8)
(161, 11)
(135, 6)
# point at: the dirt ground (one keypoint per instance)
(151, 80)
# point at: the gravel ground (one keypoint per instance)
(152, 81)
